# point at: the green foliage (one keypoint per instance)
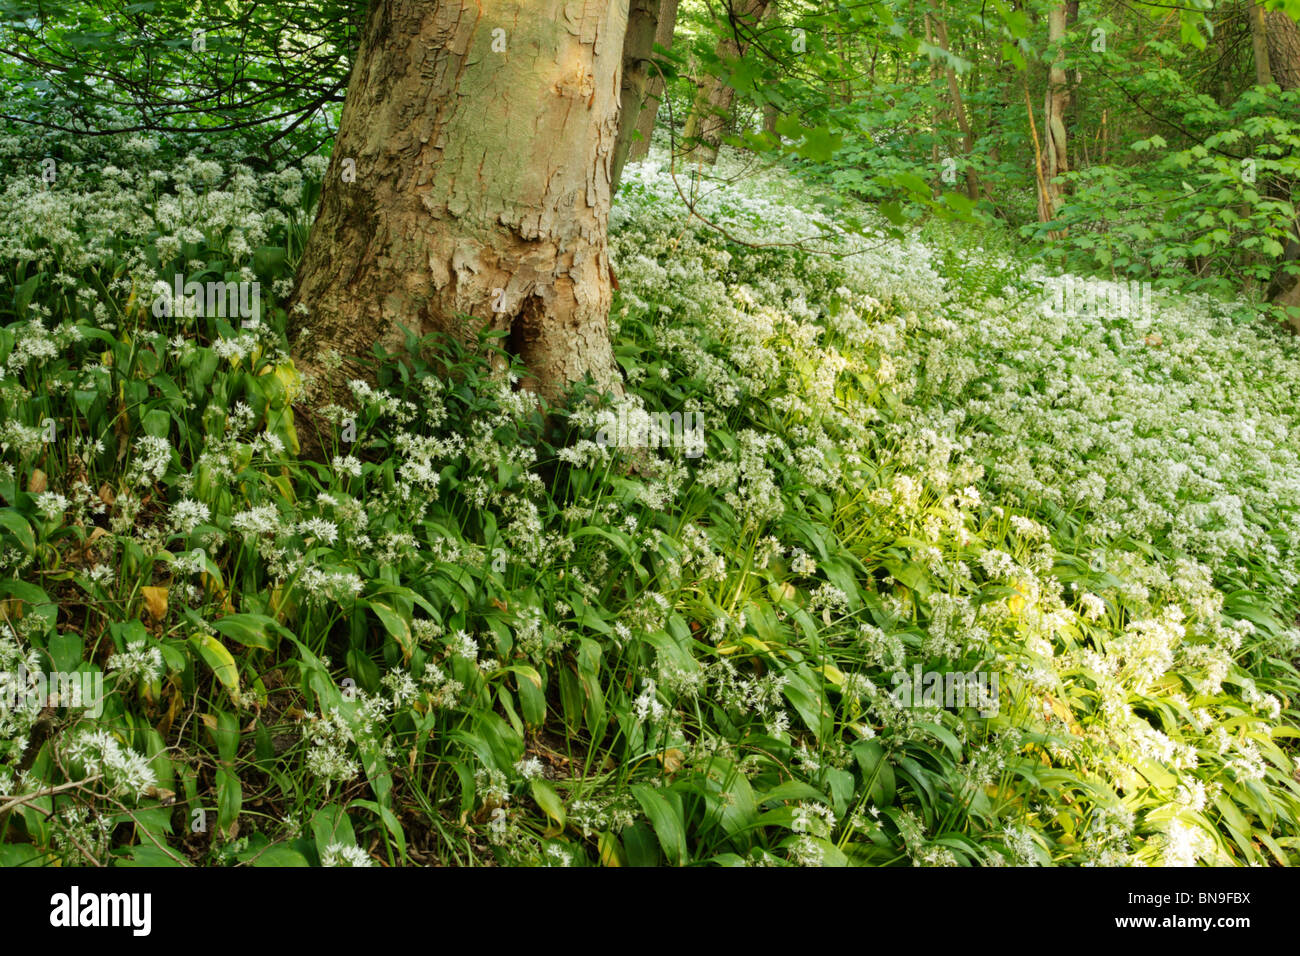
(269, 78)
(1207, 208)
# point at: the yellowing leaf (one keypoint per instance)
(216, 656)
(397, 627)
(546, 797)
(610, 851)
(530, 673)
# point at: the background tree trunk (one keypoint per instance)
(640, 148)
(481, 135)
(638, 44)
(958, 106)
(1282, 38)
(712, 107)
(1056, 154)
(1259, 42)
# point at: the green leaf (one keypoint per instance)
(332, 825)
(876, 771)
(230, 797)
(792, 790)
(251, 630)
(23, 295)
(665, 820)
(146, 854)
(65, 651)
(280, 855)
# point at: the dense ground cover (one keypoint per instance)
(465, 637)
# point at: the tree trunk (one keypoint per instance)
(640, 148)
(958, 106)
(638, 44)
(1282, 39)
(1057, 100)
(469, 189)
(712, 107)
(1259, 42)
(846, 87)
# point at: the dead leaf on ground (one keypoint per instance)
(155, 602)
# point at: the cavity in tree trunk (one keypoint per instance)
(469, 189)
(711, 110)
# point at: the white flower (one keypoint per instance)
(1093, 606)
(124, 770)
(138, 662)
(336, 854)
(319, 528)
(187, 515)
(529, 767)
(51, 505)
(347, 465)
(647, 706)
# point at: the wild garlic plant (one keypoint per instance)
(473, 629)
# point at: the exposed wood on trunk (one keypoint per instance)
(1044, 211)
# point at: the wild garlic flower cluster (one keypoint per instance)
(123, 771)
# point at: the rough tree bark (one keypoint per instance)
(1281, 39)
(469, 189)
(712, 107)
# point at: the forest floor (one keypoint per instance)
(945, 559)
